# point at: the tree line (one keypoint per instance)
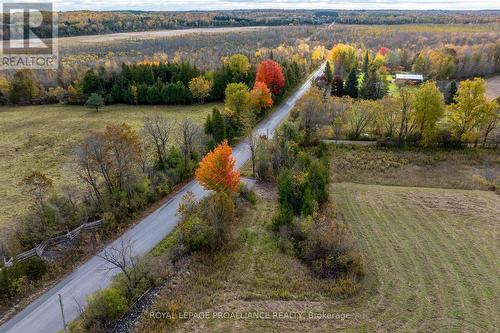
(153, 82)
(78, 23)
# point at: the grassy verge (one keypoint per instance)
(44, 137)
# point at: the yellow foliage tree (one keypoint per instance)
(200, 88)
(471, 110)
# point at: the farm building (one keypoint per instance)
(413, 78)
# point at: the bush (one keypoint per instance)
(329, 252)
(14, 277)
(34, 268)
(219, 210)
(104, 307)
(445, 139)
(109, 222)
(284, 217)
(264, 169)
(248, 194)
(10, 282)
(196, 234)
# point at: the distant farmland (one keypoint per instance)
(43, 138)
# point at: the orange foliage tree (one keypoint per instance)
(270, 73)
(216, 170)
(261, 95)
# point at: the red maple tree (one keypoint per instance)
(270, 73)
(216, 170)
(383, 51)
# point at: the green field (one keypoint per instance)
(432, 255)
(43, 138)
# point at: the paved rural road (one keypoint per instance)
(44, 315)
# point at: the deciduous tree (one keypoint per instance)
(200, 88)
(471, 110)
(270, 73)
(239, 66)
(359, 116)
(344, 59)
(238, 98)
(95, 101)
(216, 171)
(158, 130)
(429, 109)
(261, 96)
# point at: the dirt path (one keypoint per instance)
(493, 87)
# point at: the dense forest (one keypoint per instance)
(78, 23)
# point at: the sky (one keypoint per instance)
(65, 5)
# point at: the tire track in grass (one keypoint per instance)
(371, 246)
(414, 248)
(461, 264)
(433, 244)
(444, 233)
(369, 212)
(466, 291)
(449, 264)
(437, 232)
(474, 271)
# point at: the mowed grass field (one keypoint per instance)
(431, 260)
(44, 137)
(431, 254)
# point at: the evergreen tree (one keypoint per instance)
(369, 88)
(337, 87)
(452, 93)
(116, 93)
(328, 72)
(91, 83)
(218, 126)
(366, 62)
(351, 85)
(148, 76)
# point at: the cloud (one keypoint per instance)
(173, 5)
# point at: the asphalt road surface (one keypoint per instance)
(44, 314)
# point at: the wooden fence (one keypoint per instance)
(40, 249)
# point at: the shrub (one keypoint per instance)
(10, 282)
(248, 194)
(109, 222)
(34, 268)
(264, 169)
(104, 307)
(284, 217)
(196, 234)
(329, 252)
(160, 184)
(142, 280)
(219, 210)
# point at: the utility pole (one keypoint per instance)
(62, 314)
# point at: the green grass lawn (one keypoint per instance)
(432, 255)
(43, 138)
